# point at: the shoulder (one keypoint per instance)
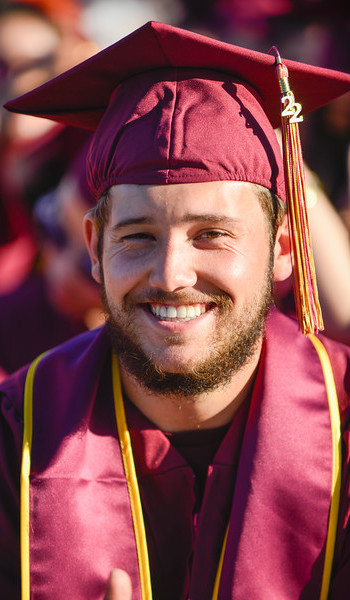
(57, 366)
(283, 332)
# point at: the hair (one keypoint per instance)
(100, 215)
(273, 207)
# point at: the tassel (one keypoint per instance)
(305, 287)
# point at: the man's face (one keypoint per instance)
(186, 271)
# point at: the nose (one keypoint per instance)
(173, 268)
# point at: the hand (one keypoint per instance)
(118, 586)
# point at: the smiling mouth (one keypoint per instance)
(184, 312)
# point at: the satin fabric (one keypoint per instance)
(280, 510)
(275, 487)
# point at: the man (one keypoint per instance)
(218, 474)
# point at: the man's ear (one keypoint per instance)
(282, 267)
(91, 240)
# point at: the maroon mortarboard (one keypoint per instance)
(154, 86)
(170, 106)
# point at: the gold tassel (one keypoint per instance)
(305, 287)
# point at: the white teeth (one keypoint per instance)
(171, 312)
(163, 311)
(180, 313)
(190, 312)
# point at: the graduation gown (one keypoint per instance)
(270, 478)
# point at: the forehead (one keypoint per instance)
(181, 202)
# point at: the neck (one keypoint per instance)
(179, 413)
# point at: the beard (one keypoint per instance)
(236, 341)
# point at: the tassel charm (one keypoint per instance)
(305, 287)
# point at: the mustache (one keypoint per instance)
(158, 296)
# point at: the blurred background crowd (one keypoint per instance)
(46, 291)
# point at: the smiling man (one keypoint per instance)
(180, 266)
(191, 447)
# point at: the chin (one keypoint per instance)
(174, 364)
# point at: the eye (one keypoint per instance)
(213, 239)
(139, 241)
(212, 234)
(138, 236)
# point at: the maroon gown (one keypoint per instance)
(270, 477)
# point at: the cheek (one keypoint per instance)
(121, 276)
(237, 273)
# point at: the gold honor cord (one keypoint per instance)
(336, 465)
(25, 478)
(221, 562)
(133, 488)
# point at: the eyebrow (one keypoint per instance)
(132, 221)
(190, 218)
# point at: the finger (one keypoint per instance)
(118, 586)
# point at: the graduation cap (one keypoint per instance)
(170, 106)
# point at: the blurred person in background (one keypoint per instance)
(65, 260)
(28, 43)
(59, 298)
(38, 39)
